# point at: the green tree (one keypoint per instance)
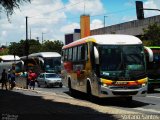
(19, 48)
(52, 46)
(151, 35)
(34, 46)
(4, 51)
(9, 5)
(16, 48)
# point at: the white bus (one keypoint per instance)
(9, 61)
(43, 62)
(105, 66)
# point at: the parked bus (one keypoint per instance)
(43, 62)
(9, 62)
(105, 66)
(153, 67)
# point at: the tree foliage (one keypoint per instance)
(52, 46)
(20, 47)
(10, 5)
(34, 47)
(17, 48)
(4, 51)
(151, 35)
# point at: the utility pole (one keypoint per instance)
(30, 34)
(26, 49)
(104, 23)
(27, 44)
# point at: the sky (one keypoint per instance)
(55, 18)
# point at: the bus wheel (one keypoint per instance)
(69, 86)
(46, 86)
(89, 94)
(71, 91)
(60, 85)
(38, 84)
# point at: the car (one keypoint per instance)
(49, 79)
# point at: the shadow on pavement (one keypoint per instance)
(117, 102)
(26, 107)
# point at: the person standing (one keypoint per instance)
(32, 77)
(4, 79)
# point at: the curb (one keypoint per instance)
(44, 93)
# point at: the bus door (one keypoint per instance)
(80, 64)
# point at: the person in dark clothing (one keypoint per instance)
(4, 79)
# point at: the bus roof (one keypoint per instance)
(108, 39)
(9, 57)
(45, 54)
(158, 47)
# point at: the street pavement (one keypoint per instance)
(21, 104)
(54, 103)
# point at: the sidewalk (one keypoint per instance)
(14, 105)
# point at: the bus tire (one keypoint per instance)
(60, 85)
(89, 93)
(71, 91)
(39, 85)
(46, 86)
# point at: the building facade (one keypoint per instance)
(134, 27)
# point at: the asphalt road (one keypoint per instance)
(56, 102)
(147, 105)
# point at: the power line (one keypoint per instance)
(115, 12)
(63, 7)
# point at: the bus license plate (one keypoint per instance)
(120, 83)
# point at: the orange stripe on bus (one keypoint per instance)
(74, 44)
(79, 42)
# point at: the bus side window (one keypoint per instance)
(75, 53)
(82, 52)
(70, 54)
(66, 55)
(62, 55)
(86, 51)
(79, 53)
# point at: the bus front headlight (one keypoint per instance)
(104, 85)
(143, 82)
(106, 82)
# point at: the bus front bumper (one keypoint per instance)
(107, 92)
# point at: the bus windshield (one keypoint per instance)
(122, 61)
(52, 64)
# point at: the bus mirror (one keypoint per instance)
(96, 55)
(150, 53)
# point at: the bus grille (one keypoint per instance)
(124, 87)
(125, 93)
